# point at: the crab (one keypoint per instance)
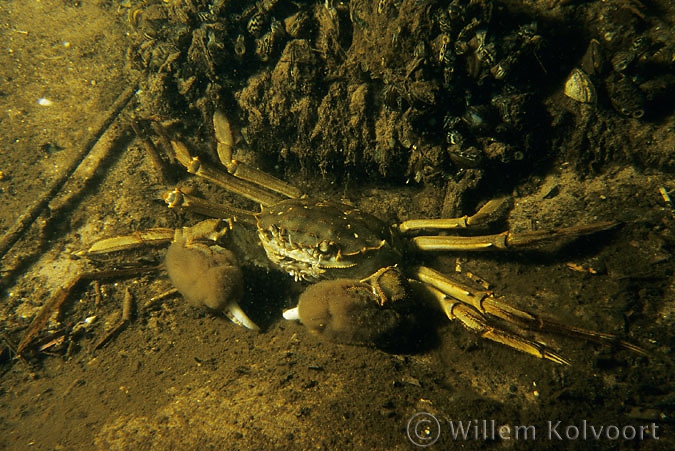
(356, 261)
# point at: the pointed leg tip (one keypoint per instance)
(557, 358)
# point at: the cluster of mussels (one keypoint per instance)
(633, 72)
(404, 88)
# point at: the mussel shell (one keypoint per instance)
(592, 61)
(579, 87)
(626, 97)
(622, 60)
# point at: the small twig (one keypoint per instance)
(52, 304)
(155, 299)
(152, 151)
(127, 307)
(75, 383)
(62, 293)
(97, 293)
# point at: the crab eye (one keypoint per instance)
(325, 246)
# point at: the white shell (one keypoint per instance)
(579, 87)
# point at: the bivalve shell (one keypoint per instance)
(579, 87)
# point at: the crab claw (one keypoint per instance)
(291, 314)
(346, 311)
(237, 316)
(207, 276)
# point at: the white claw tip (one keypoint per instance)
(237, 316)
(291, 314)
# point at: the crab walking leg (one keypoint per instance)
(142, 238)
(241, 179)
(224, 179)
(179, 199)
(485, 302)
(506, 240)
(210, 229)
(475, 322)
(243, 171)
(492, 210)
(225, 143)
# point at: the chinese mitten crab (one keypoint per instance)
(358, 264)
